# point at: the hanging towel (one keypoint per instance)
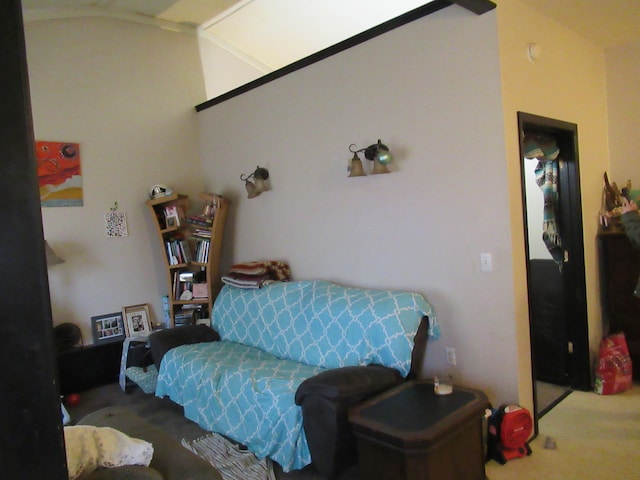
(545, 149)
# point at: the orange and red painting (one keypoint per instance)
(59, 175)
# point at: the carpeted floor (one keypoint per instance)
(168, 416)
(596, 437)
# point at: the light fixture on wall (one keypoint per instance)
(378, 153)
(258, 185)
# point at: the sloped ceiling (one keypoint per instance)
(262, 32)
(270, 31)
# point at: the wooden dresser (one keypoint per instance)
(619, 271)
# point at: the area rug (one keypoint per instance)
(233, 462)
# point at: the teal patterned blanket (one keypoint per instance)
(273, 339)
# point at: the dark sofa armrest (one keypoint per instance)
(325, 400)
(349, 383)
(162, 341)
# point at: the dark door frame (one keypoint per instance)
(578, 368)
(32, 443)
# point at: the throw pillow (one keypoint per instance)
(89, 447)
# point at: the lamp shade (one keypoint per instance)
(261, 185)
(355, 167)
(251, 189)
(52, 258)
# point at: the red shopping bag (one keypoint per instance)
(613, 373)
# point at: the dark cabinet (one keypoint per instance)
(88, 367)
(619, 270)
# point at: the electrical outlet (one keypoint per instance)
(451, 355)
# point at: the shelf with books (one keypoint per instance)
(192, 242)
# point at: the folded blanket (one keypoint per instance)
(257, 274)
(241, 280)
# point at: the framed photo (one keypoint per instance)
(108, 328)
(136, 320)
(172, 221)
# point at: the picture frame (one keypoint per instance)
(136, 320)
(108, 328)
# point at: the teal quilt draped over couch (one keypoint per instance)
(273, 339)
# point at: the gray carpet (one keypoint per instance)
(167, 415)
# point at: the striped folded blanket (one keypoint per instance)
(257, 274)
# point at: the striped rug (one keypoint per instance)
(233, 462)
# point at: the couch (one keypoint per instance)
(281, 365)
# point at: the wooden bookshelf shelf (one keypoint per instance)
(187, 236)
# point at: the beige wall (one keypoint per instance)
(125, 92)
(566, 83)
(623, 87)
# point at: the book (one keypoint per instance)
(200, 290)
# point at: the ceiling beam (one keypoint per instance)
(476, 6)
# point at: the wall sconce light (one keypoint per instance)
(378, 153)
(258, 185)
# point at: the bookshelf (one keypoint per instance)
(191, 240)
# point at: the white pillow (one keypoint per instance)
(91, 447)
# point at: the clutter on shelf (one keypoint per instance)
(613, 198)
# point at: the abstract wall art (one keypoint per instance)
(59, 174)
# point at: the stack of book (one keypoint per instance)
(204, 219)
(200, 220)
(189, 314)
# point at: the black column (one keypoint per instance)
(31, 444)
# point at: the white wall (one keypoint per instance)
(431, 91)
(223, 70)
(623, 102)
(126, 93)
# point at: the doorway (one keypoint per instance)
(555, 281)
